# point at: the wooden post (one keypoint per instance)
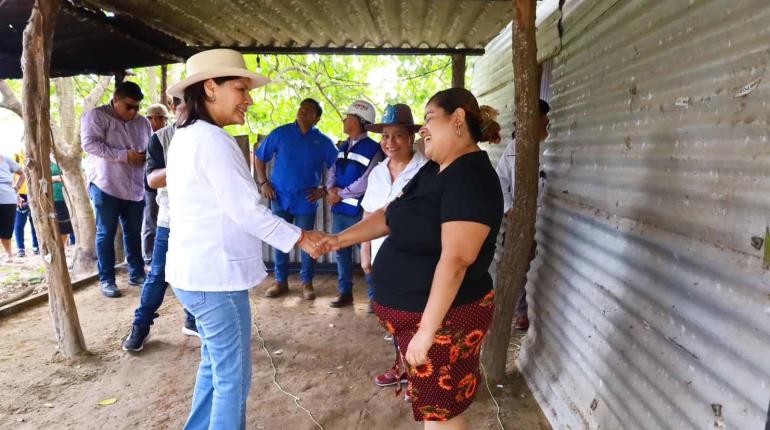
(36, 64)
(520, 235)
(164, 85)
(458, 71)
(120, 76)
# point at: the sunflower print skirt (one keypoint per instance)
(445, 385)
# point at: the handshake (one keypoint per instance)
(318, 243)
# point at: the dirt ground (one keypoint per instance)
(328, 358)
(24, 276)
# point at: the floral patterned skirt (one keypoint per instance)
(445, 385)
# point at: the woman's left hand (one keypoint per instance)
(417, 351)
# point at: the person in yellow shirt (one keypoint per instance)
(22, 214)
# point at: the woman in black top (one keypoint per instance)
(432, 286)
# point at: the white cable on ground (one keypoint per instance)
(489, 390)
(275, 378)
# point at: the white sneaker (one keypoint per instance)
(188, 332)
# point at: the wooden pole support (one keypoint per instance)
(38, 140)
(458, 71)
(520, 236)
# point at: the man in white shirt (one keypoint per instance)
(506, 173)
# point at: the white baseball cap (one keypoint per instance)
(362, 109)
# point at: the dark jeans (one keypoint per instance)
(155, 285)
(370, 281)
(110, 210)
(305, 222)
(21, 221)
(344, 255)
(150, 223)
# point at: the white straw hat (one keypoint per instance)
(215, 63)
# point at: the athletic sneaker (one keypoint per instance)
(389, 378)
(136, 338)
(137, 281)
(190, 329)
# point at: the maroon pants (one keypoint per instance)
(445, 385)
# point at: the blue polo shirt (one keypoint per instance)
(300, 162)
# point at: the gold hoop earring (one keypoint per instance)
(457, 130)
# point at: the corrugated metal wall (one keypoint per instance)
(492, 84)
(650, 309)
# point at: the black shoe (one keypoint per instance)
(21, 253)
(136, 338)
(137, 281)
(36, 251)
(190, 329)
(342, 301)
(109, 289)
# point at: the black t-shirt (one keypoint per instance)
(155, 158)
(467, 190)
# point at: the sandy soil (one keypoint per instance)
(24, 274)
(328, 359)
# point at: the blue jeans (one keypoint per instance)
(224, 374)
(110, 210)
(305, 222)
(21, 221)
(345, 255)
(370, 281)
(155, 285)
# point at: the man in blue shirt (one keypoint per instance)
(302, 154)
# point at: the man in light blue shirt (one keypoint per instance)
(302, 154)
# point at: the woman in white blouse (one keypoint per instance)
(217, 228)
(385, 184)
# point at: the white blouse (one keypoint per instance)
(217, 224)
(381, 190)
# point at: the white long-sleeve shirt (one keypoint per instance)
(506, 173)
(217, 224)
(382, 189)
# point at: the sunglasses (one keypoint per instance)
(130, 106)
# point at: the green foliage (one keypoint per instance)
(334, 80)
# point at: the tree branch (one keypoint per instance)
(10, 101)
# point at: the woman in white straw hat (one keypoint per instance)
(218, 225)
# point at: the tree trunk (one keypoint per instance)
(36, 61)
(520, 235)
(152, 84)
(69, 154)
(164, 85)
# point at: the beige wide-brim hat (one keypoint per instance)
(215, 63)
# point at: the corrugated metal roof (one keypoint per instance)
(105, 36)
(362, 24)
(650, 309)
(85, 41)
